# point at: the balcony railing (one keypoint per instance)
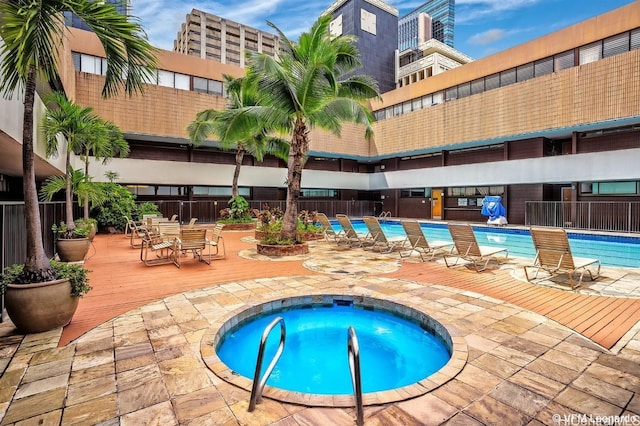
(589, 215)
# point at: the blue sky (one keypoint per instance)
(483, 27)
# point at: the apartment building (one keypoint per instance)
(556, 118)
(211, 37)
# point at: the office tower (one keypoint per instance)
(212, 37)
(375, 24)
(71, 20)
(411, 26)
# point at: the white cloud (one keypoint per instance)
(487, 37)
(476, 10)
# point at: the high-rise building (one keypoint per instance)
(209, 36)
(375, 24)
(411, 31)
(71, 20)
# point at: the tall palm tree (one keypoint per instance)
(312, 84)
(255, 139)
(31, 35)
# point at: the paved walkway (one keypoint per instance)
(143, 365)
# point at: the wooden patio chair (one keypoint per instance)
(195, 241)
(327, 228)
(468, 249)
(168, 230)
(215, 241)
(137, 232)
(164, 251)
(553, 255)
(192, 222)
(418, 242)
(380, 242)
(348, 236)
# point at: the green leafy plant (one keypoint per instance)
(76, 274)
(119, 203)
(146, 209)
(239, 210)
(63, 232)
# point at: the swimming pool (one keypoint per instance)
(394, 352)
(612, 250)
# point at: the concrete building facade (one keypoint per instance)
(440, 14)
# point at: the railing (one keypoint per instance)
(353, 351)
(209, 211)
(385, 215)
(258, 384)
(590, 215)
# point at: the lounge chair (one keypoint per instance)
(553, 255)
(195, 241)
(348, 236)
(192, 222)
(468, 249)
(164, 250)
(327, 228)
(380, 242)
(215, 241)
(418, 242)
(173, 218)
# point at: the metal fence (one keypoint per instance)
(589, 215)
(209, 211)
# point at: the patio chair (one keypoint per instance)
(418, 242)
(327, 228)
(195, 241)
(164, 250)
(173, 218)
(553, 255)
(467, 248)
(192, 222)
(129, 223)
(380, 241)
(349, 236)
(137, 232)
(215, 241)
(168, 230)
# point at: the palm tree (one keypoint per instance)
(311, 84)
(31, 34)
(254, 139)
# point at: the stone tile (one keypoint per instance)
(326, 416)
(519, 398)
(492, 412)
(462, 419)
(428, 408)
(131, 363)
(495, 365)
(477, 378)
(584, 403)
(618, 363)
(92, 345)
(221, 417)
(35, 405)
(91, 389)
(129, 339)
(481, 343)
(183, 383)
(92, 373)
(393, 416)
(133, 351)
(93, 412)
(196, 404)
(156, 415)
(9, 381)
(46, 370)
(542, 339)
(553, 371)
(138, 376)
(134, 399)
(43, 385)
(634, 405)
(566, 360)
(537, 383)
(92, 359)
(526, 346)
(614, 376)
(603, 390)
(457, 393)
(50, 418)
(164, 343)
(53, 355)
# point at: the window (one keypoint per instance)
(319, 193)
(543, 67)
(591, 53)
(563, 61)
(615, 188)
(165, 78)
(477, 86)
(525, 72)
(219, 191)
(507, 77)
(464, 90)
(492, 82)
(414, 193)
(615, 45)
(182, 81)
(635, 39)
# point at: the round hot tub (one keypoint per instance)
(403, 351)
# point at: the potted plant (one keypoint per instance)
(72, 245)
(270, 240)
(38, 307)
(238, 215)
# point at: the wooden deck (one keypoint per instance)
(121, 282)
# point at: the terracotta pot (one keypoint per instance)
(72, 249)
(34, 308)
(282, 250)
(239, 226)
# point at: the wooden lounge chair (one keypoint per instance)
(327, 228)
(348, 236)
(468, 249)
(418, 242)
(380, 242)
(553, 255)
(164, 250)
(215, 241)
(195, 241)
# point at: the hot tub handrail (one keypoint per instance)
(353, 351)
(258, 384)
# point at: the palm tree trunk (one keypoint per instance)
(37, 267)
(68, 193)
(297, 152)
(236, 173)
(86, 179)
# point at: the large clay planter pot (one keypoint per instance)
(309, 236)
(34, 308)
(92, 232)
(72, 249)
(239, 226)
(282, 250)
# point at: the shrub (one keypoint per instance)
(145, 209)
(76, 274)
(120, 202)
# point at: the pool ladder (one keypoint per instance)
(353, 351)
(385, 214)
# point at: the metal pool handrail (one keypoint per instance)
(258, 385)
(353, 350)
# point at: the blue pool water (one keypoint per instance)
(612, 250)
(393, 352)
